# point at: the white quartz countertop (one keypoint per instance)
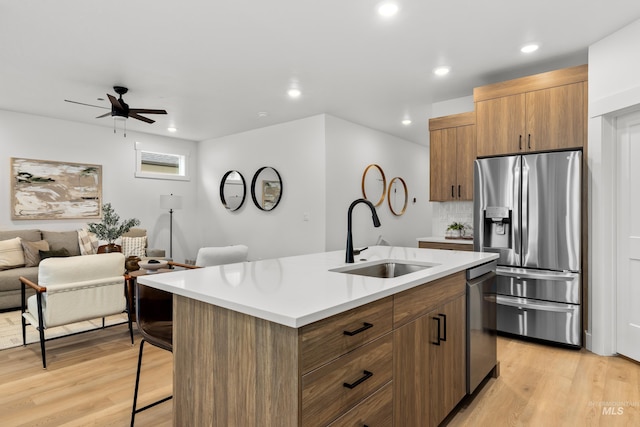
(440, 239)
(298, 290)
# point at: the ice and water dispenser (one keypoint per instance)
(497, 228)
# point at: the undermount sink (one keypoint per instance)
(385, 269)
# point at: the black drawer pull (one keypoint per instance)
(444, 318)
(452, 193)
(459, 187)
(520, 143)
(437, 319)
(357, 331)
(529, 141)
(366, 376)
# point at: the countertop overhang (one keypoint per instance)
(298, 290)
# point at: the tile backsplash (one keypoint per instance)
(444, 213)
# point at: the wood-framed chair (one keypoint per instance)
(74, 289)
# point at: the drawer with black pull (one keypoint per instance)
(330, 338)
(333, 389)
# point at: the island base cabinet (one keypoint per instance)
(242, 372)
(429, 365)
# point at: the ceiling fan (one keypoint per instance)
(120, 109)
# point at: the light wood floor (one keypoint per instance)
(90, 379)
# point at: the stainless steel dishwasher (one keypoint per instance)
(481, 323)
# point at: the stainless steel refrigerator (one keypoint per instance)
(527, 208)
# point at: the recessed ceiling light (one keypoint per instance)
(529, 48)
(294, 93)
(172, 129)
(262, 114)
(387, 9)
(406, 122)
(441, 71)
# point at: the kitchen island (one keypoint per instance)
(289, 342)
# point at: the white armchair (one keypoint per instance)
(74, 289)
(217, 255)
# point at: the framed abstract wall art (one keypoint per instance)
(45, 189)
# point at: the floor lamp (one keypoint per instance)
(170, 202)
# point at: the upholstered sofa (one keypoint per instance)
(56, 241)
(10, 278)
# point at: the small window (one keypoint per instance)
(161, 165)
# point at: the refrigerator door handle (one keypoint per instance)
(513, 272)
(517, 231)
(524, 304)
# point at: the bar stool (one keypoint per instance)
(154, 316)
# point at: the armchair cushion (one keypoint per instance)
(209, 256)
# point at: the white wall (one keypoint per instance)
(350, 149)
(614, 85)
(296, 150)
(35, 137)
(321, 160)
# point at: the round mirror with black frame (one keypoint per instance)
(374, 184)
(266, 188)
(233, 190)
(398, 196)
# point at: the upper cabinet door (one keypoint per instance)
(466, 154)
(443, 164)
(500, 125)
(556, 118)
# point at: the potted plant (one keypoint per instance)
(454, 230)
(111, 228)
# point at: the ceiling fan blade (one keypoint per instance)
(89, 105)
(134, 115)
(146, 111)
(115, 102)
(104, 115)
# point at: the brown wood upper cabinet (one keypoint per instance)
(452, 152)
(543, 112)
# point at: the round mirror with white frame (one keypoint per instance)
(266, 188)
(233, 190)
(374, 184)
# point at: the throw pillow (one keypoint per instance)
(32, 252)
(134, 246)
(59, 253)
(11, 254)
(88, 242)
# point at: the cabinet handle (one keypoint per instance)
(444, 318)
(366, 376)
(357, 331)
(529, 141)
(452, 192)
(437, 319)
(520, 143)
(459, 186)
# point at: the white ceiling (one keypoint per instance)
(214, 65)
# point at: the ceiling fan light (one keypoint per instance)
(120, 118)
